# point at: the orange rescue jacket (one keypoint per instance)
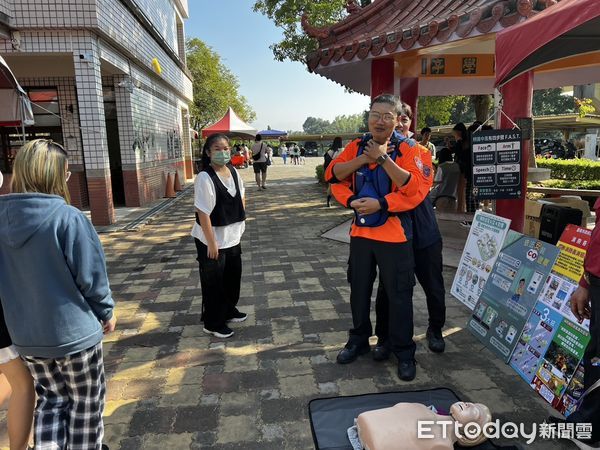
(400, 199)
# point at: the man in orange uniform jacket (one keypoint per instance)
(381, 232)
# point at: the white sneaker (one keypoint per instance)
(238, 317)
(223, 332)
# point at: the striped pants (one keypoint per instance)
(68, 413)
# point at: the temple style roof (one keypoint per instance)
(393, 26)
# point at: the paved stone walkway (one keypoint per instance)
(173, 387)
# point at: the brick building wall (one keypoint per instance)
(110, 43)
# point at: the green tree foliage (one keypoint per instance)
(551, 101)
(341, 124)
(314, 125)
(215, 87)
(296, 45)
(347, 124)
(444, 110)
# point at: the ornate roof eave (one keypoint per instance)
(477, 21)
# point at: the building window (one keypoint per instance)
(180, 38)
(46, 110)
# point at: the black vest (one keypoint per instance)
(227, 209)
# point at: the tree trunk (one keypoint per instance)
(481, 104)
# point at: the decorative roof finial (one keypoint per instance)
(352, 7)
(314, 32)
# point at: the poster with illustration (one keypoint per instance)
(534, 341)
(510, 293)
(484, 242)
(549, 351)
(567, 271)
(561, 361)
(567, 404)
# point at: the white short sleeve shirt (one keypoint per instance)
(205, 198)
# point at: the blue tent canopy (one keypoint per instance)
(272, 133)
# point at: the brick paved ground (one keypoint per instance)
(172, 387)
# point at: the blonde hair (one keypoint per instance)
(39, 166)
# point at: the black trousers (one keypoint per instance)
(396, 272)
(589, 408)
(220, 280)
(428, 269)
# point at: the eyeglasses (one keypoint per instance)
(387, 117)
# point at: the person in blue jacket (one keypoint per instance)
(22, 396)
(56, 298)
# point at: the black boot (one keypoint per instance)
(329, 201)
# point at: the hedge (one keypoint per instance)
(320, 173)
(571, 169)
(572, 184)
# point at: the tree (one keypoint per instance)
(436, 110)
(314, 125)
(551, 101)
(353, 123)
(346, 124)
(296, 45)
(215, 87)
(481, 105)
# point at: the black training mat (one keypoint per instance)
(331, 417)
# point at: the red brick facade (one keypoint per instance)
(101, 200)
(78, 190)
(146, 185)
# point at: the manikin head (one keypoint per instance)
(466, 413)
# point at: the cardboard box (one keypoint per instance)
(533, 213)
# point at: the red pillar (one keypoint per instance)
(382, 77)
(409, 93)
(517, 96)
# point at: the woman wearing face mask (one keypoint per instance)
(220, 223)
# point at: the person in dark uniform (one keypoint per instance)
(380, 189)
(427, 248)
(585, 304)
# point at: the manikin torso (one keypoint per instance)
(396, 428)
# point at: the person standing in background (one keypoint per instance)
(425, 141)
(259, 164)
(283, 152)
(333, 152)
(445, 182)
(460, 150)
(585, 304)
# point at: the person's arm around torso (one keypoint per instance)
(346, 163)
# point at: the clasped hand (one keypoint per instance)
(366, 205)
(374, 150)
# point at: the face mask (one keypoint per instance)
(220, 158)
